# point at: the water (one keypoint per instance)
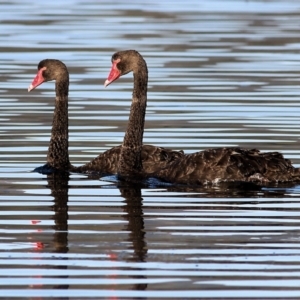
(221, 73)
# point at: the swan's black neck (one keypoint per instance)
(130, 162)
(58, 155)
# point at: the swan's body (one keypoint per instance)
(209, 166)
(153, 158)
(230, 165)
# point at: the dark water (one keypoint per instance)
(222, 73)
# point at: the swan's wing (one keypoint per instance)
(229, 164)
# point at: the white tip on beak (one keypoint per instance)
(30, 88)
(106, 83)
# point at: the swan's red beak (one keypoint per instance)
(114, 73)
(38, 79)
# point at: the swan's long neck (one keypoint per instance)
(130, 162)
(58, 155)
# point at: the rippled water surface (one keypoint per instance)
(221, 73)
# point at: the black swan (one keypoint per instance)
(205, 167)
(58, 154)
(153, 157)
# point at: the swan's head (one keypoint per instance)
(124, 62)
(48, 69)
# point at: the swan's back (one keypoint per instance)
(153, 159)
(228, 165)
(157, 158)
(104, 164)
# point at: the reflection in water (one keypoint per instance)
(58, 183)
(59, 186)
(135, 217)
(239, 190)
